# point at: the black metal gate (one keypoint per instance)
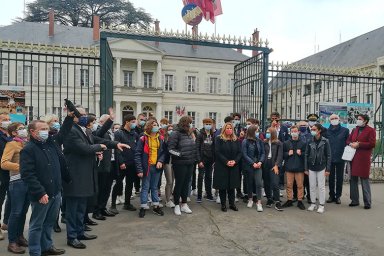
(106, 76)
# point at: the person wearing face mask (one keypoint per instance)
(149, 160)
(226, 177)
(42, 168)
(18, 195)
(163, 130)
(168, 169)
(294, 150)
(141, 120)
(80, 148)
(363, 139)
(183, 150)
(338, 135)
(240, 133)
(317, 165)
(205, 159)
(126, 163)
(312, 120)
(271, 168)
(4, 175)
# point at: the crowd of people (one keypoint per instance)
(75, 167)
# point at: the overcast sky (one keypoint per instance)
(293, 27)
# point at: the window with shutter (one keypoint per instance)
(5, 74)
(56, 76)
(219, 86)
(19, 75)
(186, 84)
(35, 75)
(77, 76)
(49, 76)
(175, 83)
(64, 75)
(197, 84)
(91, 77)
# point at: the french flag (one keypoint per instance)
(210, 8)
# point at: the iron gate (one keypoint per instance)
(106, 76)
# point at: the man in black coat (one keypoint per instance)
(80, 150)
(42, 167)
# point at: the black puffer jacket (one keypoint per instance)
(205, 146)
(182, 147)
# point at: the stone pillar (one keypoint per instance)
(118, 72)
(159, 110)
(139, 85)
(139, 108)
(159, 74)
(118, 118)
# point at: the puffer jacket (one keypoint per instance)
(318, 157)
(205, 146)
(182, 147)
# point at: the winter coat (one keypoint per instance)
(318, 157)
(182, 147)
(361, 162)
(249, 156)
(277, 152)
(80, 153)
(127, 156)
(337, 137)
(105, 133)
(295, 162)
(205, 146)
(226, 177)
(142, 154)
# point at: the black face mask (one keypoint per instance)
(303, 129)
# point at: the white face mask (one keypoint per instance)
(22, 133)
(360, 122)
(295, 135)
(5, 124)
(335, 122)
(95, 126)
(311, 123)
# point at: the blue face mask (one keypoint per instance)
(190, 125)
(303, 129)
(268, 135)
(163, 126)
(142, 123)
(43, 135)
(83, 120)
(313, 133)
(208, 127)
(257, 135)
(133, 125)
(56, 126)
(155, 129)
(170, 132)
(248, 125)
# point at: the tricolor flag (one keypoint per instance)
(210, 8)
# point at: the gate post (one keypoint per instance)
(106, 76)
(265, 91)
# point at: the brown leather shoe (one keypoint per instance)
(15, 248)
(22, 241)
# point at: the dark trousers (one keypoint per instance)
(160, 181)
(271, 181)
(137, 184)
(183, 174)
(223, 196)
(41, 224)
(336, 178)
(20, 204)
(206, 175)
(282, 177)
(130, 175)
(105, 184)
(238, 190)
(75, 212)
(193, 184)
(365, 187)
(4, 185)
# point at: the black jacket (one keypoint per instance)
(38, 172)
(277, 152)
(130, 138)
(295, 162)
(104, 132)
(283, 134)
(338, 136)
(182, 147)
(318, 156)
(80, 153)
(3, 140)
(205, 146)
(249, 157)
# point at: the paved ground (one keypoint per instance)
(208, 231)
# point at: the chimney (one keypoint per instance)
(51, 18)
(195, 36)
(239, 50)
(96, 28)
(157, 30)
(255, 38)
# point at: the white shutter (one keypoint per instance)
(207, 85)
(49, 75)
(35, 74)
(174, 87)
(5, 74)
(186, 84)
(219, 85)
(19, 75)
(197, 84)
(91, 77)
(64, 76)
(163, 82)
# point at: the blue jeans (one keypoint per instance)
(43, 219)
(150, 183)
(19, 208)
(76, 209)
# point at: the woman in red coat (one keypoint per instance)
(363, 139)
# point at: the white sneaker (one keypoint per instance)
(250, 204)
(177, 210)
(185, 208)
(188, 199)
(281, 193)
(218, 200)
(259, 207)
(194, 192)
(149, 199)
(236, 199)
(145, 206)
(119, 200)
(170, 204)
(264, 195)
(161, 205)
(321, 209)
(312, 207)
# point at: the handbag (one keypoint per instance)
(349, 153)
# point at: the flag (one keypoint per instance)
(208, 10)
(217, 7)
